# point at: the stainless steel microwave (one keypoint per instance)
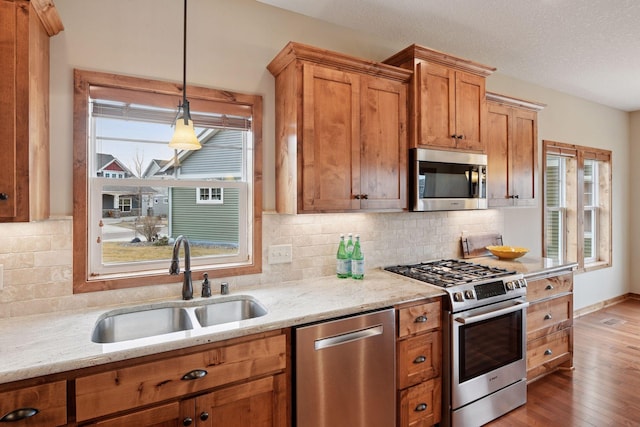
(447, 180)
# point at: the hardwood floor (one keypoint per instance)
(604, 387)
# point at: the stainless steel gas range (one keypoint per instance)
(484, 338)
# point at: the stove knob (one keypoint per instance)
(468, 295)
(510, 286)
(457, 297)
(523, 283)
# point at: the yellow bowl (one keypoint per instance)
(507, 252)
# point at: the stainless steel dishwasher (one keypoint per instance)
(345, 372)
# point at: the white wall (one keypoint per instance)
(230, 42)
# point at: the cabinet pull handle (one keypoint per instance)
(549, 287)
(4, 196)
(420, 319)
(454, 136)
(204, 416)
(187, 421)
(421, 407)
(548, 352)
(194, 375)
(419, 359)
(365, 196)
(19, 415)
(460, 136)
(547, 316)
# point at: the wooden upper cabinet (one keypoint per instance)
(446, 101)
(341, 132)
(25, 28)
(512, 151)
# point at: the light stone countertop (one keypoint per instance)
(32, 346)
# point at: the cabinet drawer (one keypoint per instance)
(549, 287)
(420, 404)
(548, 349)
(419, 318)
(549, 316)
(50, 400)
(130, 387)
(419, 359)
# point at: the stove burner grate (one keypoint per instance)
(449, 272)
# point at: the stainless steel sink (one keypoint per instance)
(180, 316)
(229, 311)
(140, 324)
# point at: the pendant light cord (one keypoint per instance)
(185, 104)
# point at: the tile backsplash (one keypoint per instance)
(36, 257)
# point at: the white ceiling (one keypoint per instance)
(587, 48)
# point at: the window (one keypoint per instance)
(577, 204)
(125, 204)
(211, 196)
(122, 163)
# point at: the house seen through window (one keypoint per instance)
(141, 195)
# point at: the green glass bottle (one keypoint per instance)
(342, 260)
(357, 261)
(349, 248)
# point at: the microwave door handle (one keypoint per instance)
(520, 305)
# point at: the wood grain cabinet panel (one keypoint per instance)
(420, 405)
(419, 363)
(549, 287)
(24, 108)
(447, 107)
(512, 147)
(341, 132)
(135, 386)
(48, 400)
(419, 318)
(549, 324)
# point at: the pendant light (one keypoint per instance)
(184, 137)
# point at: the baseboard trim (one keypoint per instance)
(604, 304)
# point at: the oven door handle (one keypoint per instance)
(519, 305)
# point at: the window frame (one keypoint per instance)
(602, 234)
(171, 93)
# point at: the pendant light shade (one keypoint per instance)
(184, 136)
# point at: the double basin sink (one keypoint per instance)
(165, 318)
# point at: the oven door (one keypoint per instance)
(488, 350)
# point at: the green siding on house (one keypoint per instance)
(219, 156)
(205, 223)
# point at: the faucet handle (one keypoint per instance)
(206, 286)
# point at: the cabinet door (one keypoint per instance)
(498, 138)
(435, 105)
(169, 415)
(523, 156)
(258, 403)
(383, 148)
(8, 104)
(41, 405)
(330, 142)
(470, 111)
(511, 140)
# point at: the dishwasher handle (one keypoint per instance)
(348, 337)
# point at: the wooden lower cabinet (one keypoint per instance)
(549, 323)
(241, 383)
(41, 405)
(259, 403)
(419, 363)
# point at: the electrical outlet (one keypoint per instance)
(280, 254)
